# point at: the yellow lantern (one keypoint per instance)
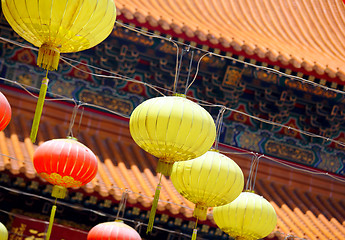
(248, 217)
(58, 27)
(3, 232)
(173, 129)
(210, 180)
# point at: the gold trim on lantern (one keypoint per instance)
(57, 179)
(48, 57)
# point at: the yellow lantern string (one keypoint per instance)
(39, 108)
(58, 192)
(154, 206)
(195, 230)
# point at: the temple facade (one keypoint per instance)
(301, 175)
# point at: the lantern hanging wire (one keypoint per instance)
(250, 185)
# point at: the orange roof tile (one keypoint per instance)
(308, 34)
(307, 205)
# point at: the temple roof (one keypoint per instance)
(307, 34)
(307, 205)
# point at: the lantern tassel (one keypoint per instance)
(154, 207)
(195, 230)
(51, 222)
(39, 108)
(48, 57)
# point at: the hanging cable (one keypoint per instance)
(197, 70)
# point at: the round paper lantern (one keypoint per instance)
(60, 26)
(173, 129)
(113, 231)
(64, 163)
(210, 180)
(3, 232)
(248, 217)
(5, 112)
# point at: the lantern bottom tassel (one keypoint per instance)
(195, 230)
(200, 212)
(39, 108)
(154, 207)
(164, 168)
(58, 192)
(48, 57)
(51, 222)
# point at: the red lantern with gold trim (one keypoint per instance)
(5, 112)
(64, 163)
(113, 231)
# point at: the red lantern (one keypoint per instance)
(113, 231)
(5, 112)
(64, 163)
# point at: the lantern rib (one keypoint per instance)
(156, 122)
(99, 32)
(87, 175)
(244, 217)
(186, 138)
(167, 126)
(136, 127)
(66, 160)
(82, 166)
(72, 168)
(50, 162)
(63, 38)
(207, 200)
(18, 26)
(62, 17)
(179, 127)
(50, 24)
(3, 117)
(69, 26)
(234, 165)
(204, 124)
(223, 192)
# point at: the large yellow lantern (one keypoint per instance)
(58, 27)
(210, 180)
(173, 129)
(248, 217)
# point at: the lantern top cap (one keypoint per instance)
(72, 138)
(180, 95)
(214, 150)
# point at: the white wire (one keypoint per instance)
(80, 208)
(205, 103)
(215, 105)
(268, 69)
(197, 70)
